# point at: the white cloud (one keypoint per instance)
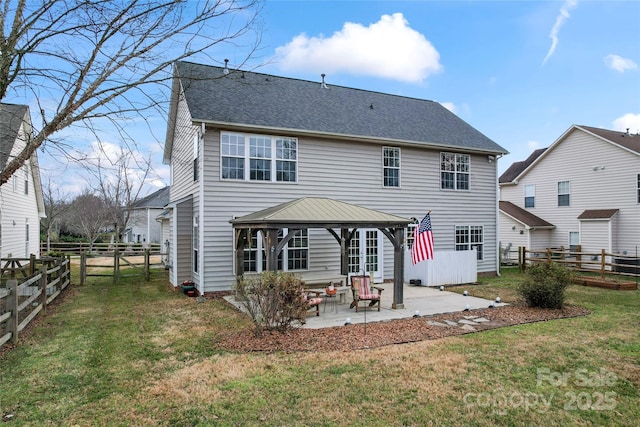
(449, 106)
(618, 63)
(628, 121)
(389, 48)
(560, 20)
(533, 145)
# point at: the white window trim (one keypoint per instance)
(398, 168)
(470, 245)
(247, 158)
(530, 194)
(455, 171)
(259, 251)
(568, 193)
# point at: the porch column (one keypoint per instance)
(241, 242)
(398, 268)
(271, 248)
(344, 251)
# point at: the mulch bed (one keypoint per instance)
(379, 334)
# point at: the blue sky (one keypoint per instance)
(521, 72)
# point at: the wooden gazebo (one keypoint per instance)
(338, 218)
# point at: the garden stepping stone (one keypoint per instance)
(481, 320)
(466, 322)
(468, 328)
(470, 317)
(451, 323)
(432, 323)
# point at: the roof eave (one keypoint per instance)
(359, 138)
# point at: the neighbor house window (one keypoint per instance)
(295, 255)
(469, 237)
(196, 243)
(454, 171)
(391, 166)
(564, 192)
(266, 158)
(196, 146)
(574, 240)
(530, 196)
(26, 179)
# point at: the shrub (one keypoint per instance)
(273, 300)
(544, 285)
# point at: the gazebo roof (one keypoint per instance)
(319, 212)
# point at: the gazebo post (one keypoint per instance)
(398, 268)
(271, 249)
(344, 251)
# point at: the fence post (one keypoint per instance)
(146, 265)
(602, 263)
(83, 267)
(579, 256)
(116, 266)
(43, 288)
(12, 306)
(32, 265)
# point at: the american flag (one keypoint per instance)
(422, 241)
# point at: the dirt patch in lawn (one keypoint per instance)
(355, 337)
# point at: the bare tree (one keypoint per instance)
(55, 207)
(119, 179)
(88, 216)
(83, 61)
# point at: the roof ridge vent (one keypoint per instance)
(226, 66)
(323, 85)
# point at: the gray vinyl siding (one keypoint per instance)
(349, 172)
(183, 267)
(182, 183)
(612, 187)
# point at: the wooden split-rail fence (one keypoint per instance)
(27, 287)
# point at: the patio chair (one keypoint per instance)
(313, 302)
(363, 291)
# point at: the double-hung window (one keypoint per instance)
(469, 237)
(564, 193)
(391, 166)
(26, 178)
(454, 171)
(196, 149)
(264, 158)
(639, 188)
(196, 243)
(530, 196)
(294, 256)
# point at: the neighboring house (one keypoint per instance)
(584, 190)
(239, 142)
(21, 201)
(143, 226)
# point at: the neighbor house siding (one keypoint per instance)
(18, 210)
(601, 176)
(349, 172)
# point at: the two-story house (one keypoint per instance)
(143, 226)
(21, 201)
(584, 189)
(239, 142)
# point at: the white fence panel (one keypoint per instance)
(446, 268)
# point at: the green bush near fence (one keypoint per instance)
(545, 285)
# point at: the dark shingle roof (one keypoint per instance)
(159, 199)
(11, 118)
(517, 168)
(627, 140)
(262, 101)
(598, 213)
(524, 216)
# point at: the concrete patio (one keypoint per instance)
(426, 300)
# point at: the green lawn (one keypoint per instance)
(138, 354)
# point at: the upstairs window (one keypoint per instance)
(196, 147)
(391, 166)
(530, 196)
(564, 193)
(266, 158)
(454, 171)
